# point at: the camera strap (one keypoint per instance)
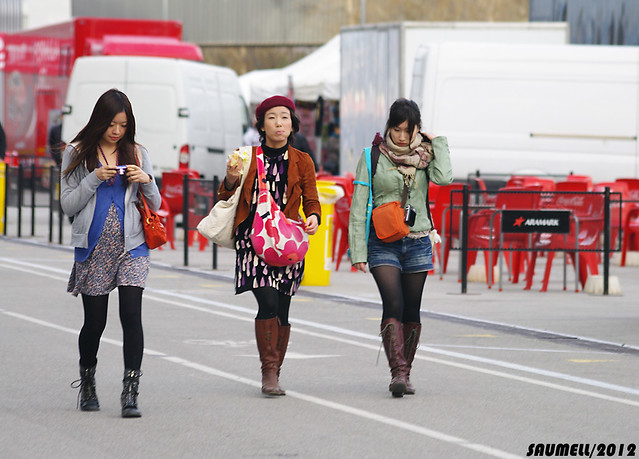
(404, 195)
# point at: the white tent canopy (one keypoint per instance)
(317, 74)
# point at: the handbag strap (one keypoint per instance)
(147, 210)
(137, 163)
(261, 170)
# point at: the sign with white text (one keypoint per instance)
(535, 221)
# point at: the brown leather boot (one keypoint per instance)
(393, 338)
(283, 333)
(412, 332)
(266, 335)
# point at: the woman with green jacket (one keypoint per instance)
(407, 160)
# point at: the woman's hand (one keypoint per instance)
(360, 267)
(136, 174)
(233, 173)
(105, 172)
(311, 225)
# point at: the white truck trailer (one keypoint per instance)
(377, 67)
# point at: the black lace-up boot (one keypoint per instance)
(87, 398)
(129, 397)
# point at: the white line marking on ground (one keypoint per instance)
(298, 395)
(424, 349)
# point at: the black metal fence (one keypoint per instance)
(477, 220)
(30, 187)
(199, 196)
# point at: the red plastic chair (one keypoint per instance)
(172, 182)
(630, 233)
(529, 180)
(484, 230)
(442, 214)
(172, 193)
(633, 187)
(342, 214)
(630, 238)
(572, 186)
(582, 179)
(340, 232)
(589, 210)
(169, 223)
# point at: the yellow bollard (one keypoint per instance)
(317, 269)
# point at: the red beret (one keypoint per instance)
(274, 101)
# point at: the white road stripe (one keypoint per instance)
(351, 333)
(422, 349)
(307, 398)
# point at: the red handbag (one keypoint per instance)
(154, 230)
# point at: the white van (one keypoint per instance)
(550, 108)
(188, 114)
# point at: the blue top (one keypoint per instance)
(105, 196)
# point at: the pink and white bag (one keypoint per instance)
(276, 239)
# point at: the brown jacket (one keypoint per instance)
(301, 188)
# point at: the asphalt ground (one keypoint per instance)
(497, 372)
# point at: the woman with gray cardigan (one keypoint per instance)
(103, 170)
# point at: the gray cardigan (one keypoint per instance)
(78, 197)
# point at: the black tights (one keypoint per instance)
(401, 293)
(271, 303)
(95, 318)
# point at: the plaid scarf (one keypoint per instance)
(407, 159)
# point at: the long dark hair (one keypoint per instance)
(404, 110)
(108, 105)
(295, 124)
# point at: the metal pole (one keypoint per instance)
(33, 198)
(464, 240)
(165, 10)
(51, 201)
(58, 176)
(185, 216)
(363, 11)
(216, 185)
(606, 261)
(7, 187)
(20, 186)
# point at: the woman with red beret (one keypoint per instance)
(290, 177)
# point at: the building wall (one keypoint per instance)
(237, 22)
(294, 22)
(10, 15)
(610, 22)
(255, 34)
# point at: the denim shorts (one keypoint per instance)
(408, 255)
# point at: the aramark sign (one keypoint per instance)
(535, 221)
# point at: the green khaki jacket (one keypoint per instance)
(388, 184)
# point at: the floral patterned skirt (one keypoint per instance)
(108, 266)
